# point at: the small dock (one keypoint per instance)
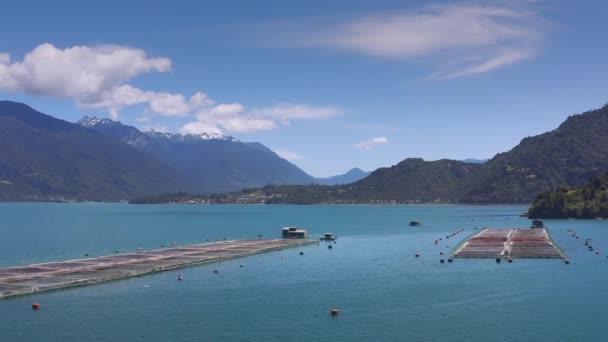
(53, 275)
(510, 243)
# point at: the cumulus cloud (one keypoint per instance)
(287, 154)
(99, 77)
(371, 143)
(290, 111)
(234, 117)
(460, 39)
(96, 77)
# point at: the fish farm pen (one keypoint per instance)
(53, 275)
(510, 243)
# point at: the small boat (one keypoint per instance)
(415, 223)
(328, 237)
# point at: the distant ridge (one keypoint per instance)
(212, 163)
(46, 159)
(567, 156)
(350, 176)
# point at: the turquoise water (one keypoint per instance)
(371, 275)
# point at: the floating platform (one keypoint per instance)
(510, 243)
(53, 275)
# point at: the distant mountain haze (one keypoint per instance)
(350, 176)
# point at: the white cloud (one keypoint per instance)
(234, 117)
(96, 77)
(78, 71)
(371, 143)
(289, 111)
(287, 154)
(474, 38)
(5, 58)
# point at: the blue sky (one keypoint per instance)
(328, 84)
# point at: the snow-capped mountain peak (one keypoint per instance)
(177, 137)
(95, 121)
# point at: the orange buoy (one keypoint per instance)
(335, 312)
(35, 306)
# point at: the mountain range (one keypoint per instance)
(212, 163)
(44, 158)
(47, 159)
(566, 156)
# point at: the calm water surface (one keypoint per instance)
(371, 275)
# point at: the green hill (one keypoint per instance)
(588, 201)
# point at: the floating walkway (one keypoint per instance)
(53, 275)
(510, 243)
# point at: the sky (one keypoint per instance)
(328, 85)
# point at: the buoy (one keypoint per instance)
(162, 246)
(441, 261)
(179, 277)
(417, 255)
(329, 247)
(173, 243)
(510, 260)
(301, 253)
(498, 260)
(216, 271)
(450, 260)
(334, 312)
(35, 306)
(115, 251)
(241, 266)
(567, 262)
(440, 253)
(597, 252)
(86, 254)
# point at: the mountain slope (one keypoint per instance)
(350, 176)
(213, 163)
(44, 158)
(588, 201)
(567, 156)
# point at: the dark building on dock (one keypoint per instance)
(294, 233)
